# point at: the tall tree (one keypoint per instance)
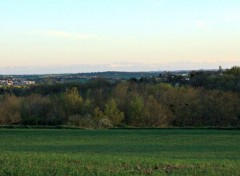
(113, 113)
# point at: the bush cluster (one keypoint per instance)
(125, 103)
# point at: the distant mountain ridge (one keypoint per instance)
(119, 67)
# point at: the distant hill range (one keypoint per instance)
(107, 74)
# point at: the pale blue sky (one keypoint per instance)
(150, 32)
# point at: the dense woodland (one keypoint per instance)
(207, 100)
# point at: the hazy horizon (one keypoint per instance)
(121, 67)
(139, 35)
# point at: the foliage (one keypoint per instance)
(234, 71)
(112, 112)
(156, 114)
(72, 102)
(229, 80)
(100, 104)
(36, 110)
(136, 111)
(9, 110)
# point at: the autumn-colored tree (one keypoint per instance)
(113, 113)
(10, 110)
(101, 120)
(156, 114)
(72, 102)
(121, 95)
(136, 111)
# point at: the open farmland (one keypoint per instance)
(119, 152)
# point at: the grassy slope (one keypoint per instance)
(119, 152)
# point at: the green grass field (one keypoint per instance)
(119, 152)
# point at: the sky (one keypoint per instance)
(51, 36)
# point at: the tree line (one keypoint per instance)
(102, 104)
